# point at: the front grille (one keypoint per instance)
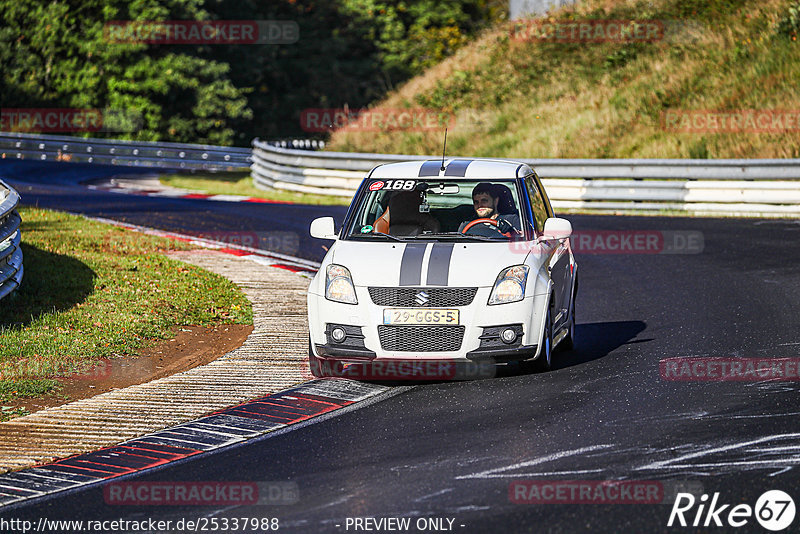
(420, 338)
(438, 297)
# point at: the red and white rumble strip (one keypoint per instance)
(178, 193)
(221, 429)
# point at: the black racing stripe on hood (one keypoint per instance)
(439, 264)
(411, 265)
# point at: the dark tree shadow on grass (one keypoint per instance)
(52, 282)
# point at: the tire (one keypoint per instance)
(569, 342)
(322, 368)
(544, 362)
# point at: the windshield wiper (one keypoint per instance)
(458, 235)
(378, 233)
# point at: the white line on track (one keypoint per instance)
(500, 472)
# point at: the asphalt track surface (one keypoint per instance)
(450, 450)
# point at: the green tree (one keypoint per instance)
(412, 35)
(55, 54)
(350, 52)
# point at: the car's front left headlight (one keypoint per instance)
(510, 285)
(339, 285)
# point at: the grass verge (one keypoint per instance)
(240, 183)
(96, 291)
(23, 388)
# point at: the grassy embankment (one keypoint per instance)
(522, 99)
(95, 291)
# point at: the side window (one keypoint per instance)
(547, 204)
(538, 204)
(376, 205)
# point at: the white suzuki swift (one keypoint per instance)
(459, 260)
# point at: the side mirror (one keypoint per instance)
(323, 228)
(556, 228)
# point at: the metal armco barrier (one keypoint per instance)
(724, 187)
(116, 152)
(10, 253)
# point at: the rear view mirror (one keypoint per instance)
(556, 228)
(442, 189)
(323, 228)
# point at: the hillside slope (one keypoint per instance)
(731, 68)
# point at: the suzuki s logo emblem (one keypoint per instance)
(422, 298)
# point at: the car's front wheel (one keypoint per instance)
(322, 368)
(568, 343)
(544, 362)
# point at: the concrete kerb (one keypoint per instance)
(250, 371)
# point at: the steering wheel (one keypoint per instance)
(493, 222)
(470, 224)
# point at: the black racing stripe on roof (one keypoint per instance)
(458, 167)
(430, 168)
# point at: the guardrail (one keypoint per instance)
(723, 187)
(11, 270)
(769, 187)
(116, 152)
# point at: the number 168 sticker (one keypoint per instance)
(394, 185)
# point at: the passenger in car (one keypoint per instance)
(403, 218)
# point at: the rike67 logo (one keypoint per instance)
(774, 510)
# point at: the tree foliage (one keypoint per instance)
(350, 52)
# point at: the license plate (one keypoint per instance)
(419, 316)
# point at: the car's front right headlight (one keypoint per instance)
(510, 285)
(339, 285)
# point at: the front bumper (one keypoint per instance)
(503, 354)
(475, 319)
(348, 354)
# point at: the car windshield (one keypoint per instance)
(439, 209)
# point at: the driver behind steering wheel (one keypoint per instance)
(485, 199)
